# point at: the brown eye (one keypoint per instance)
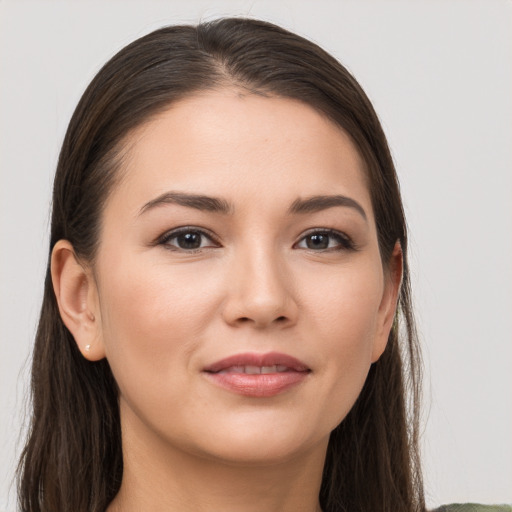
(326, 240)
(187, 240)
(317, 241)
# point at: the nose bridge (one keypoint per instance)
(260, 290)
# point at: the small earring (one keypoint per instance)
(87, 348)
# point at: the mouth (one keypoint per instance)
(255, 370)
(257, 375)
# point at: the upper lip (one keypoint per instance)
(255, 359)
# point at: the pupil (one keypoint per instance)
(189, 240)
(318, 242)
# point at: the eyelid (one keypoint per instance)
(346, 242)
(175, 232)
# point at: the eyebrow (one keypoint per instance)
(318, 203)
(217, 205)
(197, 201)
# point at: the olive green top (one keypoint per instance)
(473, 507)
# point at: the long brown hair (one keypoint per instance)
(73, 457)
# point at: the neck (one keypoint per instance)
(162, 478)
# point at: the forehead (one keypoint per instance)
(227, 143)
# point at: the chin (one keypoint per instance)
(257, 454)
(259, 444)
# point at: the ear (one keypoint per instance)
(387, 307)
(77, 298)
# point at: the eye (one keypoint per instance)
(187, 239)
(327, 239)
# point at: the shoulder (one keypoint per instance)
(473, 507)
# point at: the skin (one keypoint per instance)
(160, 313)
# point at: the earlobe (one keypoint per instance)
(388, 305)
(76, 295)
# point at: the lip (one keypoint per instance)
(228, 374)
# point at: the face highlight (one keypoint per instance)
(240, 245)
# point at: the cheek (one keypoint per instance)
(343, 304)
(343, 321)
(152, 316)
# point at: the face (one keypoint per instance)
(239, 294)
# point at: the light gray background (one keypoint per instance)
(440, 76)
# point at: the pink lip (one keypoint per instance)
(227, 374)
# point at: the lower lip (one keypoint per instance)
(257, 385)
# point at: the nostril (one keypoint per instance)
(244, 319)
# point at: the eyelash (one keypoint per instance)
(170, 235)
(345, 242)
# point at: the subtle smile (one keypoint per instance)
(257, 375)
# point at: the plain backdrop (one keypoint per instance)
(440, 76)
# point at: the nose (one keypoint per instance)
(260, 292)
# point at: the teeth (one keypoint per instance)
(256, 370)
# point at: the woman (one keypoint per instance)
(227, 321)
